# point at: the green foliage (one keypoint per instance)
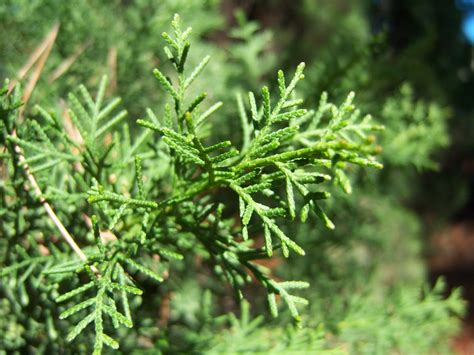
(365, 329)
(421, 315)
(413, 121)
(203, 193)
(142, 220)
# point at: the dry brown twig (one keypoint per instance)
(68, 62)
(35, 75)
(37, 53)
(112, 65)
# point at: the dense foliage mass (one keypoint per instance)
(159, 221)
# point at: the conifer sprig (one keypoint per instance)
(273, 151)
(157, 198)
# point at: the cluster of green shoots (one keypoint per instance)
(131, 205)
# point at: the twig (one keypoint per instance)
(49, 210)
(39, 68)
(112, 64)
(50, 38)
(68, 62)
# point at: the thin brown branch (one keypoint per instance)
(112, 65)
(37, 53)
(30, 86)
(49, 210)
(68, 62)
